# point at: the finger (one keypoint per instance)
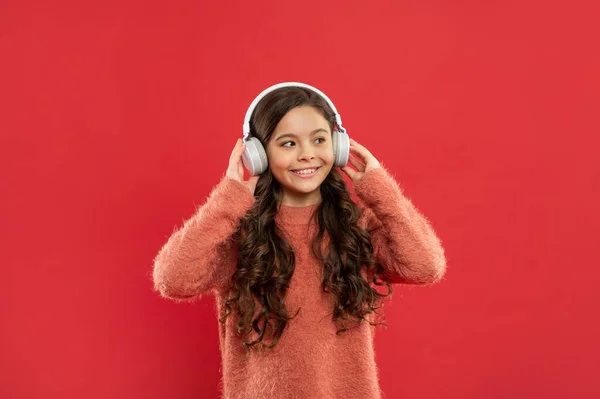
(240, 169)
(358, 154)
(349, 171)
(355, 159)
(236, 155)
(252, 181)
(361, 148)
(364, 154)
(234, 151)
(357, 164)
(354, 143)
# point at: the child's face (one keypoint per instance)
(309, 147)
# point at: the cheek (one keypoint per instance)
(277, 160)
(327, 153)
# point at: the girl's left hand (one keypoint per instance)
(363, 161)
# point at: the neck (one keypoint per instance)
(301, 199)
(295, 215)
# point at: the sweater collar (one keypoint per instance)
(295, 215)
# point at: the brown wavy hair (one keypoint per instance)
(266, 261)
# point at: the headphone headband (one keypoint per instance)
(246, 127)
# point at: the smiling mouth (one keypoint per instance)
(305, 172)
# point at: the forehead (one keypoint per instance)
(301, 121)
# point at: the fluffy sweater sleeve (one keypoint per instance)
(403, 240)
(200, 256)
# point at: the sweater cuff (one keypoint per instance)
(376, 186)
(233, 195)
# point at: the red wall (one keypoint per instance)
(117, 120)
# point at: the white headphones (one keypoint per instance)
(255, 156)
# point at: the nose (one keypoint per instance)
(306, 153)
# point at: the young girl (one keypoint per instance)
(293, 262)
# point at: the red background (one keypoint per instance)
(117, 119)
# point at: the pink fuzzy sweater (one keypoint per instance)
(310, 360)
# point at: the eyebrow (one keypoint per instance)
(293, 135)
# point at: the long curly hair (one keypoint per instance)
(266, 261)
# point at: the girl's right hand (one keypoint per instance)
(235, 170)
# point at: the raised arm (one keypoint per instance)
(202, 255)
(403, 240)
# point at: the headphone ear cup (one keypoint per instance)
(341, 148)
(255, 157)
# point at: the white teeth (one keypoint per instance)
(305, 172)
